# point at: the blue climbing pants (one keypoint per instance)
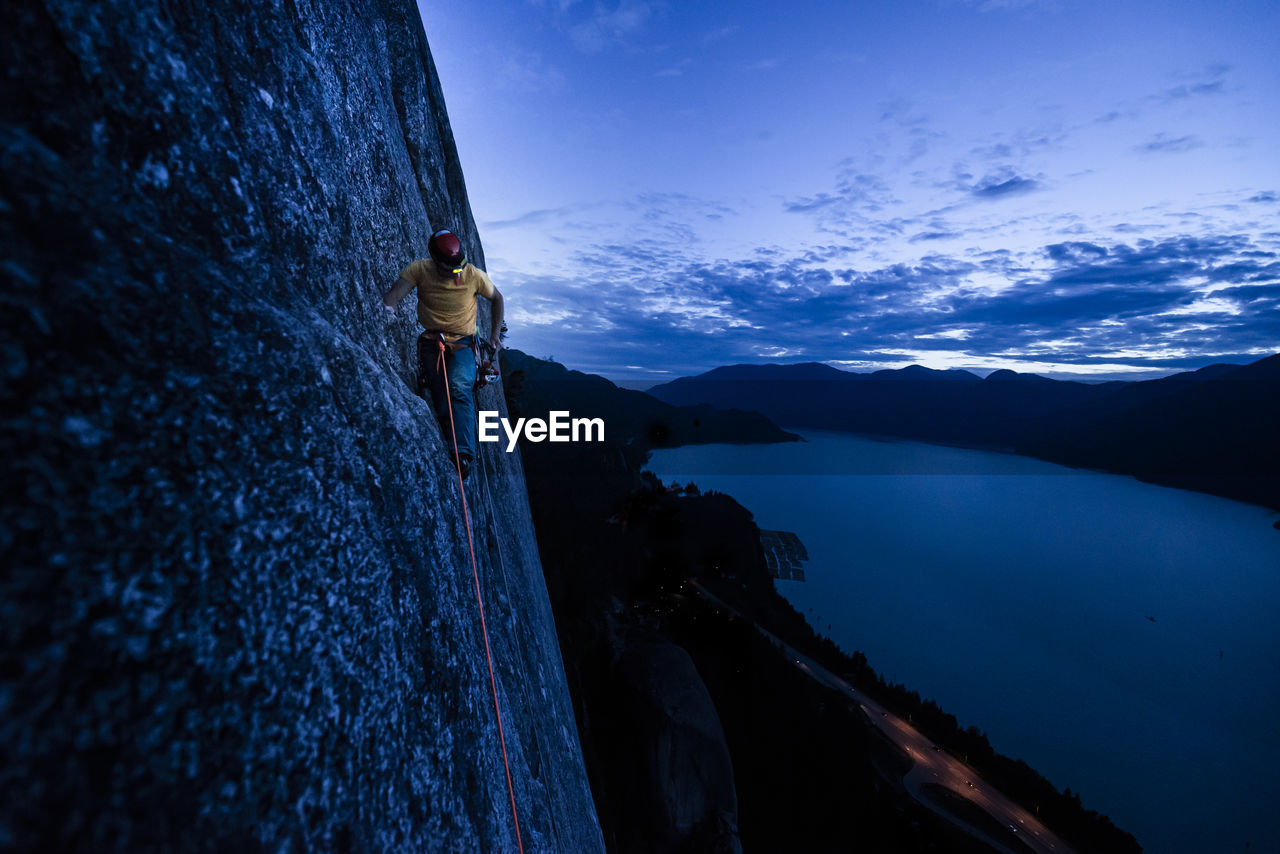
(460, 364)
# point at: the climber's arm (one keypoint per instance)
(398, 291)
(497, 308)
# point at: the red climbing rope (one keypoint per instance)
(475, 574)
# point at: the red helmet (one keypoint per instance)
(446, 250)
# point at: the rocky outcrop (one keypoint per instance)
(683, 791)
(237, 606)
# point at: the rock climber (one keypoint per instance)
(448, 287)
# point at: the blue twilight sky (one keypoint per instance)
(1071, 188)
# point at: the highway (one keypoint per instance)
(931, 763)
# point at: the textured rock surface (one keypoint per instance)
(237, 607)
(685, 790)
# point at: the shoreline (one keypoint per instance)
(922, 756)
(1115, 616)
(1167, 481)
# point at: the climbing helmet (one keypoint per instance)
(446, 250)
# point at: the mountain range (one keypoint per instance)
(630, 416)
(1212, 429)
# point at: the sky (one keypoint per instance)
(1077, 189)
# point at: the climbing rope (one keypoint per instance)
(475, 574)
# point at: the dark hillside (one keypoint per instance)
(914, 402)
(1215, 433)
(807, 773)
(645, 421)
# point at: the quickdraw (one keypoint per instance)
(487, 372)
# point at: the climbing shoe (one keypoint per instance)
(464, 466)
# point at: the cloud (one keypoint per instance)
(541, 217)
(1002, 184)
(676, 70)
(1075, 253)
(1266, 197)
(1005, 147)
(526, 72)
(808, 204)
(1177, 93)
(560, 5)
(901, 112)
(1009, 187)
(606, 27)
(1206, 82)
(1086, 302)
(677, 212)
(1010, 5)
(720, 34)
(531, 218)
(1099, 295)
(855, 206)
(1163, 143)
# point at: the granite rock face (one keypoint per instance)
(236, 602)
(684, 791)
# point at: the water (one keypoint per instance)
(1020, 596)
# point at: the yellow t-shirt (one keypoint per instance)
(447, 303)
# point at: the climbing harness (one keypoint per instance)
(487, 370)
(475, 574)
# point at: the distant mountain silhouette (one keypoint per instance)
(915, 402)
(631, 417)
(1212, 429)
